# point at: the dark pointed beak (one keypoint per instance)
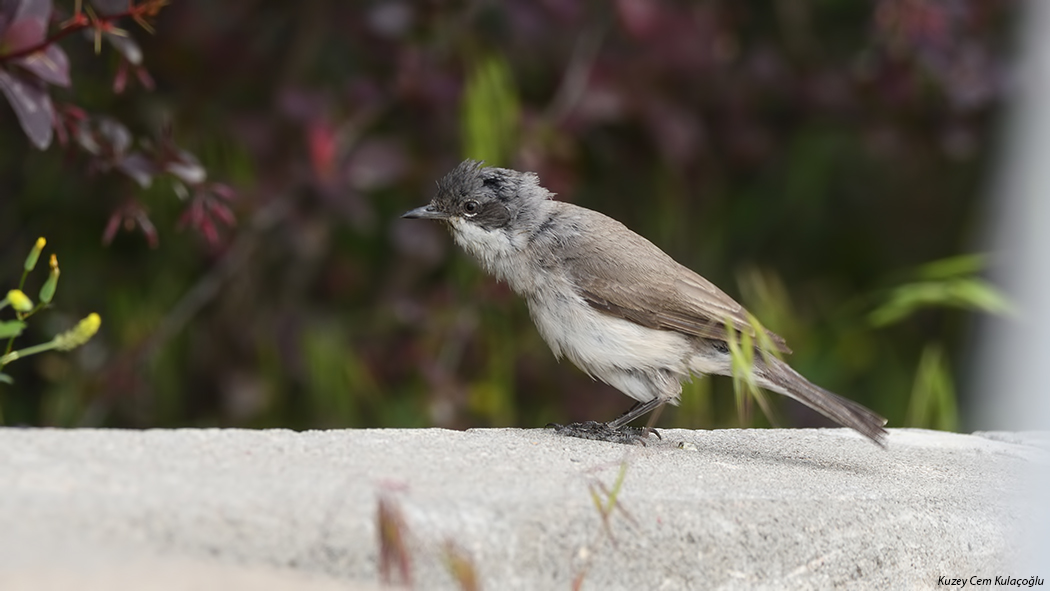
(427, 212)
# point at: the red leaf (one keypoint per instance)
(144, 78)
(67, 120)
(641, 18)
(223, 190)
(207, 229)
(148, 229)
(121, 79)
(32, 104)
(222, 213)
(324, 143)
(112, 226)
(130, 215)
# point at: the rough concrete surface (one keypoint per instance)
(276, 510)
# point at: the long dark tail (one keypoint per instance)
(778, 376)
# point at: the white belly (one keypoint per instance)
(641, 362)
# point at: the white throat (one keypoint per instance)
(500, 252)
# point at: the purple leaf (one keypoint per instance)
(127, 47)
(50, 65)
(110, 6)
(7, 14)
(187, 168)
(115, 134)
(28, 25)
(21, 34)
(139, 168)
(32, 104)
(376, 163)
(85, 137)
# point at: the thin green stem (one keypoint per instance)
(10, 345)
(26, 352)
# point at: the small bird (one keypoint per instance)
(620, 308)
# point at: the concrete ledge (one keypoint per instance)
(234, 509)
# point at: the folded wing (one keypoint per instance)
(633, 279)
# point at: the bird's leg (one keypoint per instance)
(639, 409)
(615, 431)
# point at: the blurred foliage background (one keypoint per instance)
(808, 156)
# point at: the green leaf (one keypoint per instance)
(11, 328)
(903, 300)
(6, 379)
(950, 282)
(933, 402)
(968, 293)
(978, 294)
(742, 348)
(967, 264)
(47, 291)
(489, 112)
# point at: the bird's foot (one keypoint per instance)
(603, 432)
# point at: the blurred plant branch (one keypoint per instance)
(31, 59)
(101, 23)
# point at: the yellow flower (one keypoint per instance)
(34, 254)
(19, 301)
(47, 291)
(80, 334)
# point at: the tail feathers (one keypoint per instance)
(779, 377)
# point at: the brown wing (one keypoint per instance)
(631, 278)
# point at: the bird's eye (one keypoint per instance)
(471, 207)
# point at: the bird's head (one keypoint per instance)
(474, 198)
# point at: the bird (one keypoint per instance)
(612, 302)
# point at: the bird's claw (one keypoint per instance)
(603, 432)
